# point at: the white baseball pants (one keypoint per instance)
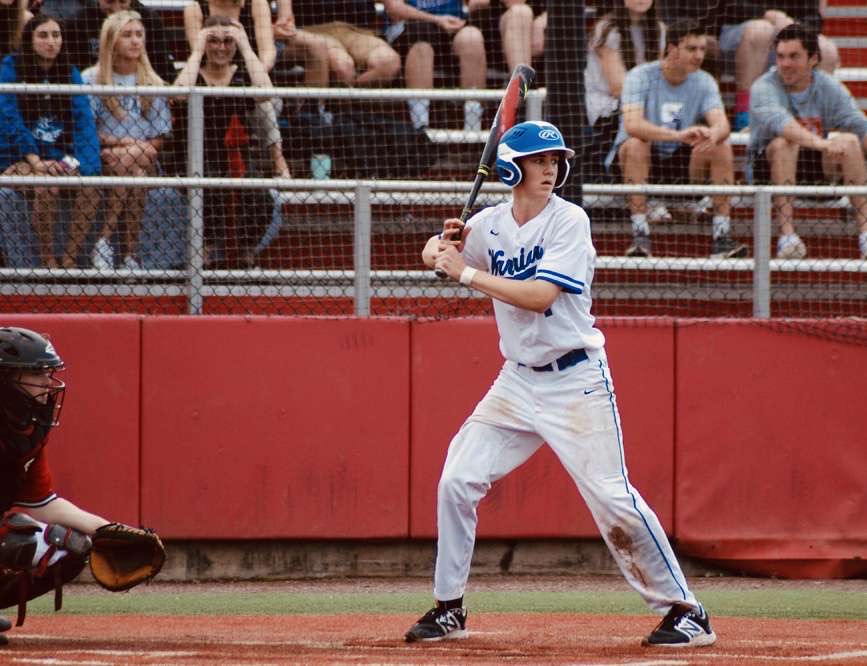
(575, 412)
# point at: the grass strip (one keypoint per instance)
(765, 603)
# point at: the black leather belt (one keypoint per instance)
(567, 360)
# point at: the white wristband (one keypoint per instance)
(467, 276)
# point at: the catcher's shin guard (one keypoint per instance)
(19, 587)
(35, 558)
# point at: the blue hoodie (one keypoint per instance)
(48, 136)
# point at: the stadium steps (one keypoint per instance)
(845, 21)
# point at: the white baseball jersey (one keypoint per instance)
(555, 246)
(571, 407)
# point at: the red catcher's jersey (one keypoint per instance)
(38, 486)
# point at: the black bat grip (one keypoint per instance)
(481, 174)
(441, 274)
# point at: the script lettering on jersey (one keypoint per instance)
(521, 267)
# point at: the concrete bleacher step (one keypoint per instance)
(845, 22)
(307, 242)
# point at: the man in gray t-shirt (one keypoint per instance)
(793, 108)
(662, 103)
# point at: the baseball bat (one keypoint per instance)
(516, 90)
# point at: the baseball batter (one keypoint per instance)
(534, 256)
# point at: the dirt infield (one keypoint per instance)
(72, 638)
(352, 639)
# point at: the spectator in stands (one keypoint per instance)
(212, 63)
(793, 108)
(131, 130)
(623, 38)
(49, 134)
(513, 30)
(84, 29)
(357, 56)
(62, 9)
(670, 11)
(253, 15)
(425, 36)
(13, 15)
(296, 45)
(747, 31)
(663, 103)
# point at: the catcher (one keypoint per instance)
(45, 540)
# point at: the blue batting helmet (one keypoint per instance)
(530, 138)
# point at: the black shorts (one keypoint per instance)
(488, 21)
(439, 39)
(671, 170)
(809, 170)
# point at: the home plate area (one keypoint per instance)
(495, 638)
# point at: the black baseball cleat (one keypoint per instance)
(5, 625)
(683, 626)
(439, 624)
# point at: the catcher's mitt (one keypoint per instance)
(123, 556)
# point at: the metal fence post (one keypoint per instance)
(362, 250)
(762, 214)
(195, 169)
(534, 106)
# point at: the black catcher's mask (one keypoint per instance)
(29, 406)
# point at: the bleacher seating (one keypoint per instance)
(399, 229)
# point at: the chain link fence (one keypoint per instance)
(351, 246)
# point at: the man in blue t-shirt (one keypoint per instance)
(793, 108)
(663, 102)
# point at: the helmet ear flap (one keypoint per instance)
(563, 169)
(509, 172)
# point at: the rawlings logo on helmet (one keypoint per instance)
(530, 138)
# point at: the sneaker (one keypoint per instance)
(790, 246)
(640, 246)
(725, 247)
(131, 263)
(438, 624)
(658, 212)
(102, 255)
(684, 626)
(701, 210)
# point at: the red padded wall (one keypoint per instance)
(99, 427)
(275, 427)
(771, 453)
(454, 363)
